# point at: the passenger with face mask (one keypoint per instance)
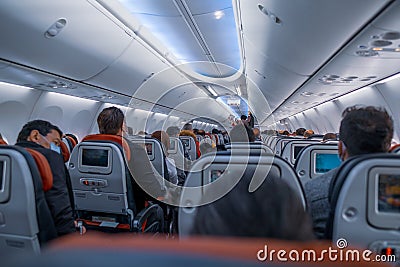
(43, 137)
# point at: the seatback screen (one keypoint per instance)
(389, 193)
(186, 143)
(326, 162)
(149, 149)
(296, 151)
(95, 157)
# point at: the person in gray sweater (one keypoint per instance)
(363, 130)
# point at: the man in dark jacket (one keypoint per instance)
(39, 135)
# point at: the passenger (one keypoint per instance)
(187, 127)
(111, 121)
(191, 134)
(175, 175)
(257, 134)
(285, 132)
(300, 132)
(241, 133)
(207, 145)
(308, 133)
(362, 131)
(328, 137)
(243, 120)
(272, 211)
(250, 120)
(41, 136)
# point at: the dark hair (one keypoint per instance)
(300, 131)
(285, 132)
(163, 138)
(58, 130)
(110, 120)
(173, 131)
(329, 136)
(43, 127)
(243, 117)
(366, 130)
(242, 133)
(272, 211)
(188, 127)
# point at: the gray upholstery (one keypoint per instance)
(18, 219)
(234, 162)
(305, 162)
(191, 147)
(356, 214)
(248, 146)
(157, 157)
(110, 196)
(288, 151)
(281, 142)
(176, 152)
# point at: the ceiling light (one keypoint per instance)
(239, 92)
(219, 14)
(211, 90)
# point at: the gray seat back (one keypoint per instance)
(190, 146)
(176, 152)
(316, 159)
(19, 227)
(248, 146)
(155, 152)
(366, 203)
(212, 168)
(98, 178)
(292, 148)
(281, 143)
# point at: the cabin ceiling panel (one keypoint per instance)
(68, 38)
(275, 82)
(304, 38)
(125, 75)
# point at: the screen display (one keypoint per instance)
(326, 162)
(95, 157)
(172, 143)
(389, 193)
(215, 174)
(149, 149)
(186, 143)
(296, 151)
(1, 174)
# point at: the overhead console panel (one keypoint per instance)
(69, 38)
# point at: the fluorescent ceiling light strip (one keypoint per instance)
(211, 90)
(388, 79)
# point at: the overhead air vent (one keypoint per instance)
(347, 80)
(386, 44)
(269, 14)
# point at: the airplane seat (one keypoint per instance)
(72, 141)
(233, 165)
(65, 151)
(291, 149)
(365, 201)
(177, 153)
(395, 149)
(314, 159)
(190, 145)
(104, 190)
(3, 142)
(248, 145)
(26, 223)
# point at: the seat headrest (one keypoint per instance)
(64, 151)
(73, 142)
(2, 142)
(392, 148)
(44, 169)
(112, 138)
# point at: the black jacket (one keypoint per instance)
(57, 197)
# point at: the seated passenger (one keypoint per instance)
(257, 134)
(175, 175)
(207, 146)
(41, 136)
(242, 133)
(147, 182)
(272, 211)
(362, 131)
(191, 134)
(328, 137)
(308, 133)
(300, 132)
